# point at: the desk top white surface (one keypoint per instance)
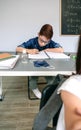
(60, 66)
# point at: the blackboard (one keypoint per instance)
(70, 17)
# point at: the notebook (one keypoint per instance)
(4, 56)
(46, 55)
(9, 63)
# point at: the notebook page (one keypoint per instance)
(40, 55)
(57, 55)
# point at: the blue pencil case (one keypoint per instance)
(42, 63)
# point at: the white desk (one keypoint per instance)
(62, 66)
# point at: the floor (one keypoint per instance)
(17, 112)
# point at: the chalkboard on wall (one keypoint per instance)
(70, 17)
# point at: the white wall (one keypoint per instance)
(22, 19)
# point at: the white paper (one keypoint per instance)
(9, 63)
(40, 55)
(57, 55)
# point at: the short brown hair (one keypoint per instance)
(46, 31)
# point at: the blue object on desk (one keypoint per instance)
(42, 63)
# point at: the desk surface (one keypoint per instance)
(61, 66)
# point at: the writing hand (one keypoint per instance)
(33, 51)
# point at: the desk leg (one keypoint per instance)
(1, 89)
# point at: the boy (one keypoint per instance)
(34, 45)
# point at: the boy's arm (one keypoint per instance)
(30, 51)
(59, 50)
(20, 49)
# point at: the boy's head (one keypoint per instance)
(46, 31)
(45, 34)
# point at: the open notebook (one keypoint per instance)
(45, 55)
(9, 63)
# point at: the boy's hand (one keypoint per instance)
(33, 51)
